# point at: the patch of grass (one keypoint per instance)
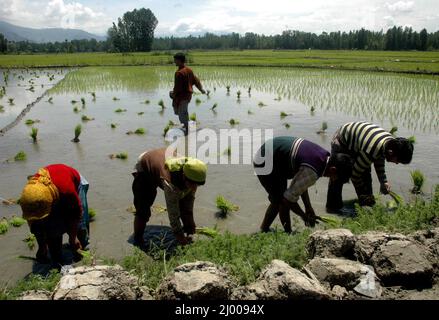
(418, 180)
(244, 256)
(405, 218)
(168, 127)
(17, 222)
(119, 110)
(4, 226)
(224, 205)
(32, 282)
(34, 134)
(20, 156)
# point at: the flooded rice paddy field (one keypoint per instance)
(311, 97)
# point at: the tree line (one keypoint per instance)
(126, 36)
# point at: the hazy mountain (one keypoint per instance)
(17, 33)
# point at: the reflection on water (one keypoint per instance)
(110, 180)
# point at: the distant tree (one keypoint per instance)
(3, 43)
(134, 31)
(423, 39)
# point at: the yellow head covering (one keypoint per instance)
(38, 196)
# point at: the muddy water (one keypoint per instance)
(110, 180)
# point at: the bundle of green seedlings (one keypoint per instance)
(323, 128)
(75, 110)
(93, 95)
(206, 231)
(30, 122)
(73, 102)
(122, 156)
(78, 130)
(418, 180)
(146, 101)
(119, 110)
(225, 206)
(228, 89)
(283, 115)
(20, 156)
(86, 118)
(139, 131)
(34, 134)
(17, 222)
(4, 226)
(313, 109)
(233, 122)
(140, 113)
(31, 241)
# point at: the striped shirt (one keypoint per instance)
(367, 142)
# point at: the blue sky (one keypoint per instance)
(181, 18)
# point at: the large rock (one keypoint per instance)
(367, 243)
(429, 239)
(35, 295)
(331, 243)
(198, 280)
(337, 271)
(402, 262)
(279, 281)
(99, 283)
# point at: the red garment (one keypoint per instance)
(67, 180)
(184, 81)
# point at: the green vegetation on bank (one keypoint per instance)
(244, 256)
(396, 61)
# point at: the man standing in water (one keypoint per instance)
(182, 93)
(302, 161)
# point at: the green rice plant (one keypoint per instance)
(31, 241)
(397, 198)
(139, 131)
(228, 151)
(393, 130)
(313, 109)
(86, 118)
(93, 95)
(418, 180)
(73, 102)
(17, 222)
(162, 104)
(92, 214)
(146, 101)
(140, 113)
(122, 156)
(233, 122)
(283, 115)
(287, 125)
(116, 99)
(119, 110)
(11, 101)
(113, 125)
(206, 231)
(323, 128)
(50, 100)
(215, 105)
(78, 130)
(30, 122)
(34, 134)
(193, 117)
(2, 109)
(75, 110)
(198, 101)
(4, 226)
(412, 139)
(238, 94)
(20, 156)
(249, 90)
(83, 102)
(261, 104)
(225, 206)
(228, 89)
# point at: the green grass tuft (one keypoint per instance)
(418, 180)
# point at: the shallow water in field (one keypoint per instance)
(288, 90)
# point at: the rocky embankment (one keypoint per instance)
(374, 265)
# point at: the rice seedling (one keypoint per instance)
(113, 125)
(238, 94)
(75, 110)
(116, 99)
(193, 117)
(393, 130)
(93, 95)
(85, 118)
(92, 214)
(225, 206)
(2, 109)
(208, 93)
(31, 241)
(284, 115)
(146, 101)
(208, 232)
(313, 109)
(119, 110)
(78, 130)
(162, 104)
(198, 101)
(140, 113)
(17, 222)
(34, 134)
(30, 122)
(249, 90)
(287, 125)
(50, 100)
(323, 128)
(20, 156)
(215, 105)
(140, 131)
(228, 152)
(418, 180)
(122, 156)
(412, 139)
(83, 102)
(397, 198)
(11, 101)
(4, 226)
(73, 102)
(233, 122)
(249, 112)
(261, 104)
(228, 89)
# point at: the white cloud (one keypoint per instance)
(401, 6)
